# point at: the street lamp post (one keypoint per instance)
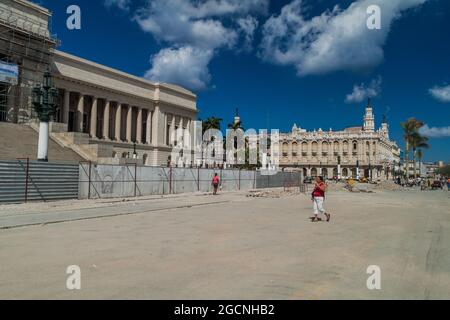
(135, 155)
(44, 103)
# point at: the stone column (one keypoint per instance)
(106, 120)
(66, 107)
(93, 125)
(158, 127)
(129, 124)
(139, 126)
(80, 113)
(148, 132)
(118, 121)
(172, 128)
(186, 134)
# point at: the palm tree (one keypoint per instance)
(235, 126)
(420, 157)
(418, 144)
(211, 123)
(410, 127)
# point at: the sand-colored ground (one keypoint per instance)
(229, 247)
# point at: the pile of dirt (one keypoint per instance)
(271, 193)
(388, 185)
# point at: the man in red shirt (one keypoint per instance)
(215, 183)
(318, 197)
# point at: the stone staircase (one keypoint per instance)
(21, 141)
(80, 143)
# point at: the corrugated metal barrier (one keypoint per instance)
(24, 180)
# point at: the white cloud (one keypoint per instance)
(441, 93)
(121, 4)
(185, 66)
(435, 132)
(248, 26)
(361, 92)
(197, 29)
(336, 40)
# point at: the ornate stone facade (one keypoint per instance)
(353, 152)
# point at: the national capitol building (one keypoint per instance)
(355, 152)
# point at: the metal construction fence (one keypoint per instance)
(111, 181)
(25, 180)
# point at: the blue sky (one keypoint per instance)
(281, 62)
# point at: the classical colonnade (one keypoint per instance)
(112, 120)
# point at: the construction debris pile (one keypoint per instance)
(278, 193)
(364, 187)
(389, 185)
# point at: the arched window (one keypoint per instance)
(294, 149)
(336, 147)
(335, 172)
(304, 148)
(285, 149)
(345, 147)
(324, 147)
(315, 148)
(345, 172)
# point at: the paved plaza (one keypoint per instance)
(228, 247)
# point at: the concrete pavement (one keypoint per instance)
(233, 247)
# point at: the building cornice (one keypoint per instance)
(117, 73)
(34, 6)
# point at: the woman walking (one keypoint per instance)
(215, 183)
(318, 198)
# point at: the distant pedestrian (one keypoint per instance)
(215, 183)
(318, 198)
(448, 183)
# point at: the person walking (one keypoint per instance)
(448, 183)
(215, 183)
(318, 198)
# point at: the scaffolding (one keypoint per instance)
(27, 42)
